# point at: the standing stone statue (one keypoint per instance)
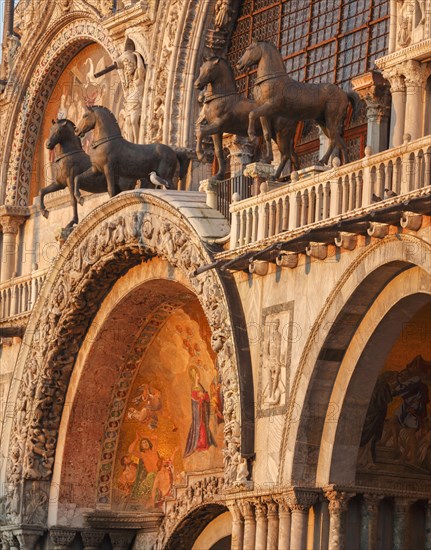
(134, 71)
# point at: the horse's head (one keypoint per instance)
(208, 72)
(87, 122)
(250, 57)
(61, 131)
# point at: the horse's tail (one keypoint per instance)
(184, 161)
(355, 102)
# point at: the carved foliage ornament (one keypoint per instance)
(105, 253)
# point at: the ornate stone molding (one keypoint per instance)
(113, 239)
(301, 499)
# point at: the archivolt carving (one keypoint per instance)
(417, 253)
(203, 491)
(86, 271)
(72, 38)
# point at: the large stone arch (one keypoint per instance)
(115, 237)
(58, 46)
(358, 372)
(328, 342)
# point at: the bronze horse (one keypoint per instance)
(115, 157)
(277, 94)
(71, 160)
(228, 112)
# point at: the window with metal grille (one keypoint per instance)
(320, 40)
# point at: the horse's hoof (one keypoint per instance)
(45, 213)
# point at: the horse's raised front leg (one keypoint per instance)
(80, 179)
(263, 111)
(267, 133)
(202, 132)
(45, 191)
(218, 149)
(74, 204)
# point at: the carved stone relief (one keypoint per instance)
(274, 367)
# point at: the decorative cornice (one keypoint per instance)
(419, 52)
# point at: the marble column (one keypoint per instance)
(237, 526)
(428, 525)
(61, 538)
(300, 502)
(398, 92)
(374, 90)
(337, 506)
(369, 523)
(284, 523)
(401, 516)
(247, 510)
(273, 525)
(415, 77)
(261, 524)
(10, 226)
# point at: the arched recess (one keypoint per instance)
(188, 530)
(328, 342)
(134, 336)
(60, 44)
(363, 362)
(115, 237)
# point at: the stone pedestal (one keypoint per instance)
(240, 154)
(210, 188)
(261, 173)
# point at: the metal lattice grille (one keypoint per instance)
(320, 40)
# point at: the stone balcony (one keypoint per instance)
(318, 197)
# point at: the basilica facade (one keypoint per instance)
(231, 357)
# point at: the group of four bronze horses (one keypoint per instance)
(115, 165)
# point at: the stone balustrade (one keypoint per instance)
(316, 195)
(18, 295)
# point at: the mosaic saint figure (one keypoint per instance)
(200, 437)
(145, 451)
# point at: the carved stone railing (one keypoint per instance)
(18, 295)
(315, 196)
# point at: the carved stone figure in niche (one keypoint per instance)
(405, 22)
(134, 71)
(274, 362)
(222, 14)
(106, 7)
(200, 437)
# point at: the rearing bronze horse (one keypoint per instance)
(226, 111)
(277, 94)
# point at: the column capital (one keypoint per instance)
(247, 509)
(402, 505)
(337, 499)
(283, 504)
(235, 508)
(260, 508)
(92, 539)
(301, 499)
(121, 539)
(27, 537)
(61, 538)
(371, 502)
(396, 79)
(272, 506)
(415, 73)
(11, 224)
